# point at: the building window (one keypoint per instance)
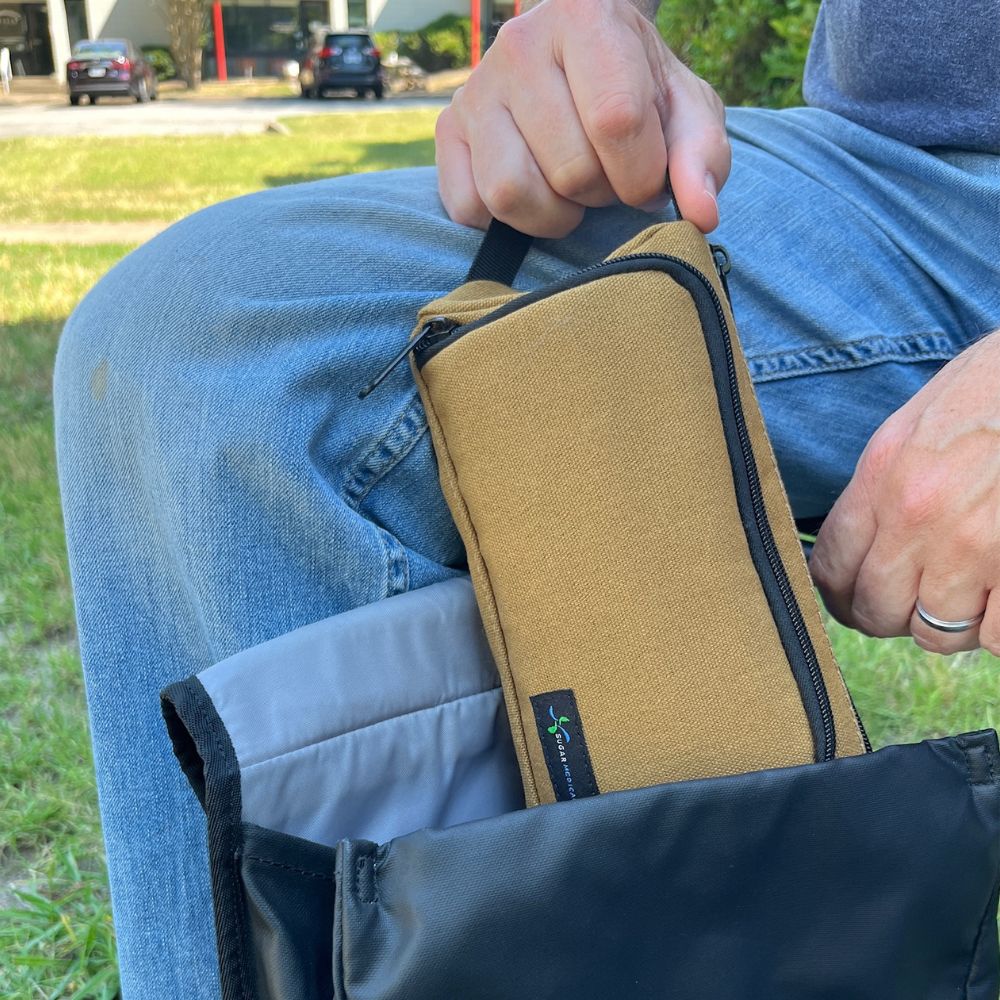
(258, 36)
(24, 29)
(76, 20)
(357, 13)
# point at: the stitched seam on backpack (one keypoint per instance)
(234, 791)
(359, 865)
(983, 925)
(290, 868)
(971, 768)
(419, 710)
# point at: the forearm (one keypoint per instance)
(647, 8)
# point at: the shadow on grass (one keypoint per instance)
(370, 156)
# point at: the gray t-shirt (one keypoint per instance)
(923, 71)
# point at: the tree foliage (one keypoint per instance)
(751, 51)
(161, 60)
(442, 44)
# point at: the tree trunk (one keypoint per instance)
(186, 20)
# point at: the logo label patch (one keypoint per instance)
(564, 744)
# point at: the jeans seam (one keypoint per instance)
(399, 439)
(397, 564)
(847, 355)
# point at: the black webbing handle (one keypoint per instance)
(503, 249)
(500, 254)
(499, 257)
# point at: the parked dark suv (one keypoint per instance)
(342, 60)
(109, 67)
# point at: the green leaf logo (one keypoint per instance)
(558, 724)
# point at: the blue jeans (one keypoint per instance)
(223, 484)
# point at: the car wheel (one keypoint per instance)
(142, 92)
(74, 99)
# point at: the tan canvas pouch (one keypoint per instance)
(632, 550)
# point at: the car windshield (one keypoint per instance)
(100, 50)
(348, 41)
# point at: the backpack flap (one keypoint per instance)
(369, 724)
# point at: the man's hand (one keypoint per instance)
(921, 517)
(579, 103)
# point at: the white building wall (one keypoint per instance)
(143, 22)
(407, 15)
(338, 15)
(59, 37)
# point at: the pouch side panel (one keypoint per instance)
(206, 754)
(684, 240)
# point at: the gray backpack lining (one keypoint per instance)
(372, 723)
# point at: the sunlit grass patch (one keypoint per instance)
(166, 177)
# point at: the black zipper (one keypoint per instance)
(433, 330)
(440, 333)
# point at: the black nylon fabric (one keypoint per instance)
(500, 254)
(865, 877)
(862, 878)
(290, 895)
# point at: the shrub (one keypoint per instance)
(161, 60)
(751, 51)
(386, 41)
(442, 44)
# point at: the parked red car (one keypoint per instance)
(111, 67)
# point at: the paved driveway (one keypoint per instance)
(180, 117)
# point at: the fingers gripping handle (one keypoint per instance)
(504, 248)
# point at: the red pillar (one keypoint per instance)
(220, 42)
(517, 7)
(476, 32)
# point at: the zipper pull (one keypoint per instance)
(723, 265)
(437, 325)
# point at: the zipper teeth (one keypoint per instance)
(767, 537)
(764, 525)
(749, 465)
(427, 342)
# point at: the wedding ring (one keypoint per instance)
(943, 625)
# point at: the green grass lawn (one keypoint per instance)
(152, 179)
(55, 936)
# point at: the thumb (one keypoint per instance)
(841, 547)
(698, 152)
